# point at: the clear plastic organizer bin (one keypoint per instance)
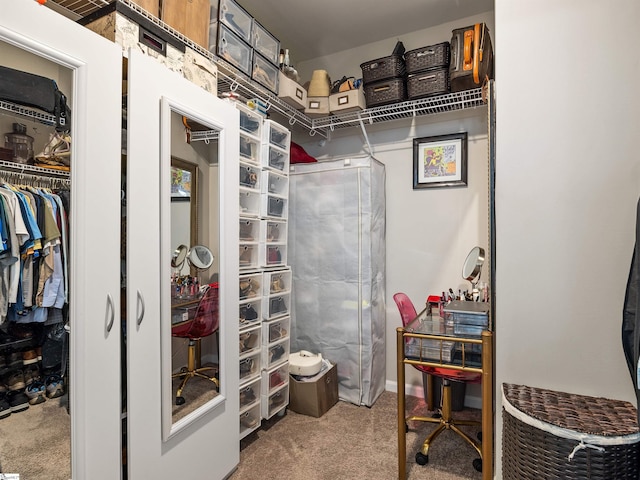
(250, 121)
(250, 340)
(249, 256)
(249, 313)
(250, 229)
(250, 150)
(250, 176)
(274, 330)
(265, 73)
(251, 286)
(275, 306)
(275, 402)
(275, 353)
(273, 255)
(265, 43)
(275, 158)
(273, 206)
(274, 378)
(250, 203)
(234, 50)
(273, 182)
(249, 367)
(275, 282)
(273, 231)
(275, 134)
(250, 393)
(250, 419)
(236, 19)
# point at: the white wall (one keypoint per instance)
(429, 232)
(568, 179)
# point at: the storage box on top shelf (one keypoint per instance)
(234, 50)
(265, 73)
(235, 18)
(315, 397)
(317, 107)
(190, 18)
(265, 43)
(291, 92)
(347, 101)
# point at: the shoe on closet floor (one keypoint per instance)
(13, 360)
(29, 357)
(36, 392)
(15, 381)
(21, 330)
(54, 386)
(18, 401)
(5, 408)
(31, 374)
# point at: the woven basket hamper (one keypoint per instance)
(555, 435)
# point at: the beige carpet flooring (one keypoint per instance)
(347, 442)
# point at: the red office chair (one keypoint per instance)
(444, 418)
(204, 323)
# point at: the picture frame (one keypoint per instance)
(440, 161)
(180, 184)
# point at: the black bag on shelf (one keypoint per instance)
(35, 91)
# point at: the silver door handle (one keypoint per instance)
(110, 307)
(141, 314)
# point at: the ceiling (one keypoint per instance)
(311, 29)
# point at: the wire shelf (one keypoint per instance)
(81, 7)
(32, 170)
(41, 117)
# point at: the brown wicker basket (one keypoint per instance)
(555, 435)
(382, 68)
(425, 84)
(393, 90)
(426, 58)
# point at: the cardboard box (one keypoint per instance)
(317, 107)
(314, 398)
(349, 101)
(189, 17)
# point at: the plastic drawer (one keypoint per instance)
(274, 378)
(236, 18)
(275, 306)
(273, 206)
(250, 286)
(250, 203)
(275, 402)
(250, 393)
(275, 134)
(250, 121)
(265, 73)
(249, 367)
(250, 340)
(274, 330)
(273, 231)
(275, 158)
(250, 150)
(273, 255)
(250, 419)
(274, 182)
(276, 353)
(234, 50)
(250, 176)
(250, 229)
(264, 43)
(249, 313)
(249, 256)
(275, 282)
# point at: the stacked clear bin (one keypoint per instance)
(265, 278)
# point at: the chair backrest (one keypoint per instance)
(207, 318)
(407, 310)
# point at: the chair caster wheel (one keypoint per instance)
(421, 458)
(179, 400)
(477, 464)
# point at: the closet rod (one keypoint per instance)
(17, 178)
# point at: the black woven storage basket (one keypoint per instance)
(426, 58)
(550, 435)
(388, 91)
(382, 68)
(425, 84)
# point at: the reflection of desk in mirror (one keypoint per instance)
(430, 341)
(183, 309)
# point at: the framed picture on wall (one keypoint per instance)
(180, 184)
(440, 161)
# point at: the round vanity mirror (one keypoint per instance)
(178, 257)
(200, 257)
(473, 265)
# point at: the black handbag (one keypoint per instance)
(35, 91)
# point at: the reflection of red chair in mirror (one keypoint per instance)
(204, 323)
(444, 418)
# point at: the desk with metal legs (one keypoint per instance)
(485, 368)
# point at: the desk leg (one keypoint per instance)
(487, 405)
(402, 433)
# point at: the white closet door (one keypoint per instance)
(206, 446)
(95, 221)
